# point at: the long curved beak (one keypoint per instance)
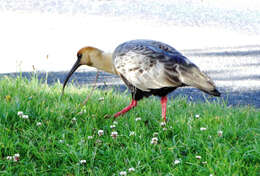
(73, 69)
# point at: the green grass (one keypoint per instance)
(57, 146)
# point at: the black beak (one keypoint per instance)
(74, 68)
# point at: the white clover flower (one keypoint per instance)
(220, 133)
(20, 113)
(82, 161)
(132, 133)
(112, 126)
(38, 124)
(203, 129)
(16, 157)
(114, 134)
(138, 118)
(100, 132)
(210, 174)
(101, 99)
(154, 140)
(163, 124)
(115, 122)
(90, 137)
(155, 134)
(131, 169)
(197, 116)
(74, 119)
(177, 161)
(123, 173)
(9, 157)
(25, 116)
(204, 162)
(198, 157)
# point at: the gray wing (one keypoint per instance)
(140, 44)
(150, 64)
(154, 49)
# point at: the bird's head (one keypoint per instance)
(92, 57)
(88, 56)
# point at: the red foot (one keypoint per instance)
(164, 107)
(126, 109)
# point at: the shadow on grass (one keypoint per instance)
(108, 81)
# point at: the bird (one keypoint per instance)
(147, 67)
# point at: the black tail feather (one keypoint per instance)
(214, 92)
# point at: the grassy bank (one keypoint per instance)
(56, 136)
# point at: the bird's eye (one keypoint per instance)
(79, 55)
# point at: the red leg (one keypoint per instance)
(126, 109)
(164, 107)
